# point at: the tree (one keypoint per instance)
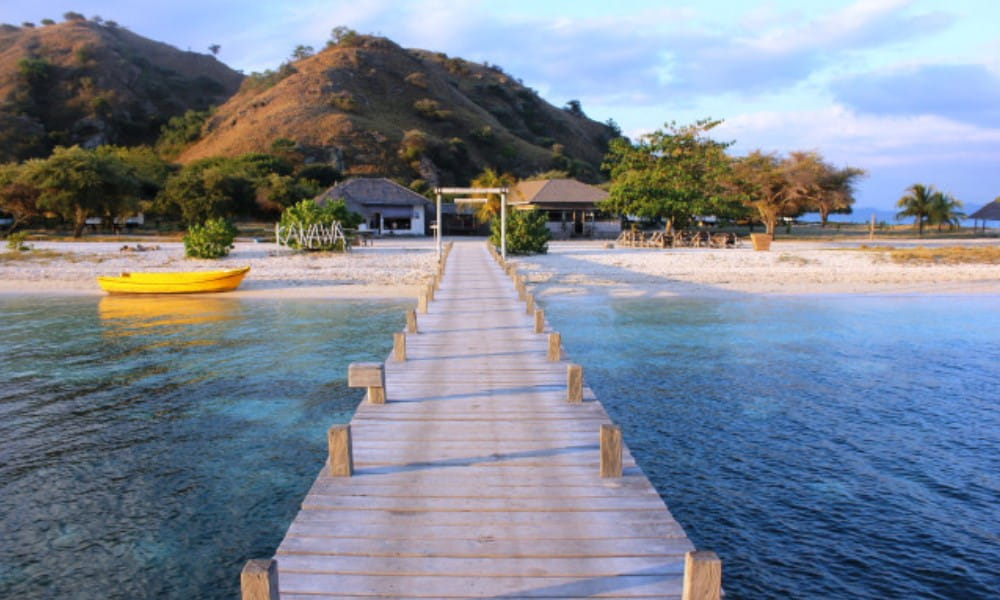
(672, 173)
(917, 204)
(944, 210)
(214, 49)
(342, 36)
(207, 189)
(490, 179)
(574, 108)
(73, 16)
(180, 131)
(836, 190)
(76, 183)
(18, 198)
(302, 51)
(527, 232)
(773, 187)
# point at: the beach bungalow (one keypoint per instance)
(990, 212)
(571, 207)
(387, 207)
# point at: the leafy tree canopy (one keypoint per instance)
(673, 173)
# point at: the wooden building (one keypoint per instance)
(387, 207)
(572, 207)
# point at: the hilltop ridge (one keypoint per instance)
(371, 107)
(91, 83)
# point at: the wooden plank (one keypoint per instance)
(526, 586)
(486, 547)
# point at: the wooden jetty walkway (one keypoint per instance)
(480, 467)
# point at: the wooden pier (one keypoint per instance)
(479, 466)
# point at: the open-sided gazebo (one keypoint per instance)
(990, 212)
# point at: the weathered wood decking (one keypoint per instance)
(477, 478)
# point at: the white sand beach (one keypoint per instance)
(389, 269)
(394, 268)
(791, 267)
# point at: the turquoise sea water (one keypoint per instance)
(824, 447)
(149, 446)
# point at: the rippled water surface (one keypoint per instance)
(149, 446)
(829, 447)
(824, 447)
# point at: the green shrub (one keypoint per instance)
(214, 239)
(15, 242)
(308, 212)
(526, 232)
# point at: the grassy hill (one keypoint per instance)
(89, 83)
(370, 107)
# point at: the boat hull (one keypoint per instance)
(187, 282)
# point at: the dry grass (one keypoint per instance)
(44, 256)
(945, 255)
(795, 259)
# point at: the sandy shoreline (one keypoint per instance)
(391, 269)
(396, 268)
(791, 267)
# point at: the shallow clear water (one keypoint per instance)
(149, 446)
(824, 447)
(829, 447)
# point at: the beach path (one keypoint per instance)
(477, 478)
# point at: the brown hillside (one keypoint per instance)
(371, 107)
(81, 82)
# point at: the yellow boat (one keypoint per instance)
(186, 282)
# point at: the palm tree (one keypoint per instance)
(944, 210)
(917, 204)
(491, 179)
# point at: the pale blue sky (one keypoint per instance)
(907, 89)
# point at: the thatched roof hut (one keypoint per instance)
(990, 212)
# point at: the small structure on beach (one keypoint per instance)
(990, 212)
(572, 207)
(387, 207)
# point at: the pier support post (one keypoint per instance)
(702, 576)
(574, 383)
(611, 451)
(259, 580)
(368, 375)
(529, 301)
(341, 451)
(399, 346)
(411, 321)
(429, 291)
(422, 302)
(539, 321)
(555, 347)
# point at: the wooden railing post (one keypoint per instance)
(259, 580)
(539, 321)
(702, 576)
(429, 291)
(368, 375)
(411, 321)
(341, 451)
(399, 346)
(555, 347)
(529, 301)
(574, 383)
(611, 451)
(422, 302)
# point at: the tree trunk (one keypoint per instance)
(824, 214)
(79, 222)
(669, 227)
(769, 226)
